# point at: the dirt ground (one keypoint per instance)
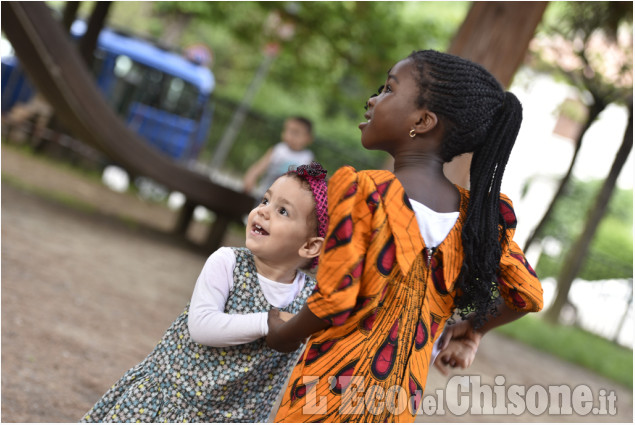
(87, 292)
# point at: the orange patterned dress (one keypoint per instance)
(387, 302)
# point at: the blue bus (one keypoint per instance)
(161, 95)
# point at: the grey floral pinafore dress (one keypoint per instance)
(182, 381)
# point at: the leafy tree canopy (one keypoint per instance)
(342, 49)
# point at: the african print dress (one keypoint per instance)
(387, 299)
(182, 381)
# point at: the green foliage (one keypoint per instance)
(339, 54)
(574, 110)
(611, 251)
(341, 49)
(612, 247)
(576, 346)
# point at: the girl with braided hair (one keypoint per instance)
(406, 250)
(212, 364)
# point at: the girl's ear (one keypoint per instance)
(311, 247)
(427, 122)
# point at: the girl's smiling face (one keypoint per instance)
(393, 113)
(280, 225)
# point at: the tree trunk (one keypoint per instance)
(70, 14)
(495, 35)
(87, 45)
(88, 42)
(594, 111)
(578, 252)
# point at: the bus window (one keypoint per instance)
(138, 83)
(175, 88)
(123, 64)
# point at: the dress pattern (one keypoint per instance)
(387, 299)
(182, 381)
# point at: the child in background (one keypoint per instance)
(405, 250)
(213, 364)
(297, 134)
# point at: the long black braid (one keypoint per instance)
(480, 117)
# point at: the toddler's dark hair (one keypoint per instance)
(478, 116)
(304, 121)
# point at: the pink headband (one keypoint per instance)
(315, 175)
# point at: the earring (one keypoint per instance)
(412, 133)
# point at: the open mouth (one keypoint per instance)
(257, 229)
(365, 123)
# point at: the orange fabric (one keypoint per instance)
(385, 303)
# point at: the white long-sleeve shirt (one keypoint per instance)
(210, 325)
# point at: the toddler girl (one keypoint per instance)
(212, 364)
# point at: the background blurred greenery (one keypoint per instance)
(338, 56)
(611, 253)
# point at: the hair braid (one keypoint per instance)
(479, 117)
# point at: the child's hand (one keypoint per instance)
(285, 316)
(459, 330)
(457, 353)
(457, 346)
(275, 320)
